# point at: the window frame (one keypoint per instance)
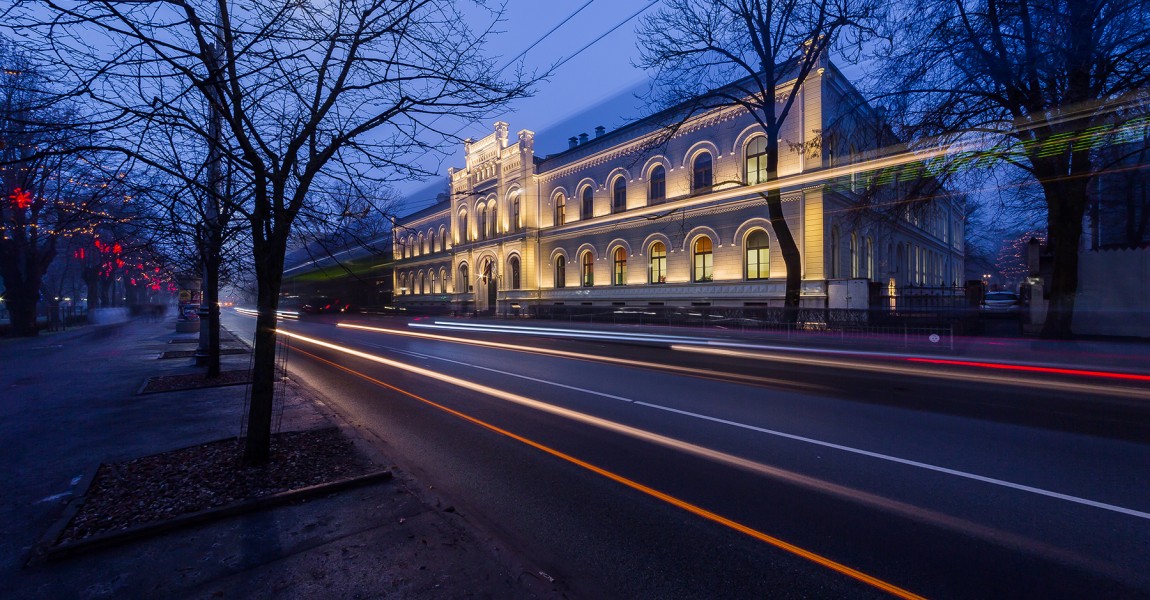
(560, 267)
(619, 270)
(760, 161)
(698, 186)
(762, 256)
(657, 185)
(658, 275)
(619, 195)
(513, 268)
(587, 269)
(587, 203)
(703, 261)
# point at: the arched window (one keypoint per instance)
(513, 269)
(422, 283)
(481, 223)
(494, 221)
(836, 250)
(431, 283)
(464, 285)
(703, 259)
(657, 185)
(410, 245)
(854, 254)
(464, 235)
(619, 274)
(560, 210)
(560, 271)
(619, 195)
(443, 280)
(867, 266)
(422, 245)
(442, 238)
(758, 263)
(431, 241)
(515, 225)
(587, 270)
(657, 268)
(701, 174)
(757, 161)
(588, 209)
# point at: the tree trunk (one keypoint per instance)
(790, 252)
(21, 301)
(208, 354)
(787, 246)
(269, 274)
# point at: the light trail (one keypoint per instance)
(280, 314)
(1042, 368)
(895, 369)
(813, 441)
(875, 501)
(1034, 369)
(689, 371)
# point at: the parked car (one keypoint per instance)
(1001, 303)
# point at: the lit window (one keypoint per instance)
(657, 192)
(854, 255)
(464, 235)
(703, 260)
(757, 161)
(701, 179)
(758, 255)
(560, 210)
(619, 195)
(464, 285)
(620, 272)
(588, 269)
(658, 266)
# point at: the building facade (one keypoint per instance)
(644, 217)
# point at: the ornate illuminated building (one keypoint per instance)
(643, 217)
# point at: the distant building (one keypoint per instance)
(638, 217)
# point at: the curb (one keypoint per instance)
(45, 551)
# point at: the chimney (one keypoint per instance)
(582, 138)
(600, 130)
(572, 142)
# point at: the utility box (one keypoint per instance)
(848, 294)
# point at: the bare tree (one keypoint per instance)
(51, 188)
(305, 93)
(1038, 81)
(756, 55)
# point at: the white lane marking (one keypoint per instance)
(995, 536)
(895, 459)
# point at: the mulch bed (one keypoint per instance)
(191, 381)
(164, 486)
(191, 353)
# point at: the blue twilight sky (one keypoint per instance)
(595, 86)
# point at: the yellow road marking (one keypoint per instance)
(687, 506)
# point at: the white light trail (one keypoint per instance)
(866, 498)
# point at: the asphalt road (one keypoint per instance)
(635, 470)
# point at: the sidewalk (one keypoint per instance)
(71, 402)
